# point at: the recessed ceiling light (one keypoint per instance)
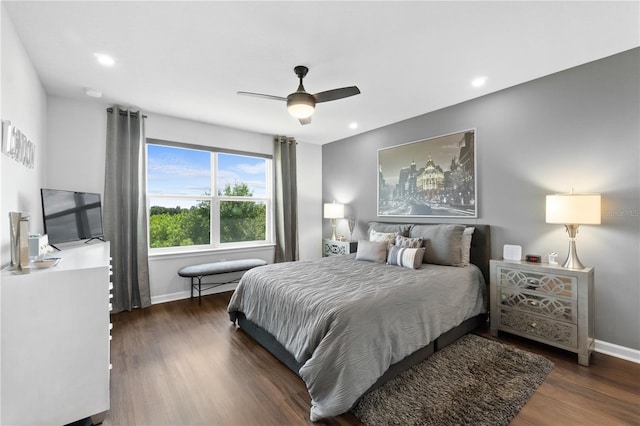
(105, 60)
(479, 81)
(94, 93)
(353, 125)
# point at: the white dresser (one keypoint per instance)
(55, 325)
(543, 302)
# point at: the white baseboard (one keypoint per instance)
(187, 294)
(617, 351)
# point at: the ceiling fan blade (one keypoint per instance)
(332, 95)
(304, 121)
(261, 95)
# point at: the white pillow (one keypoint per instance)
(387, 237)
(465, 248)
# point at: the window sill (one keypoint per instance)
(208, 251)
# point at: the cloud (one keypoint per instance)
(252, 169)
(159, 168)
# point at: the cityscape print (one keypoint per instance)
(432, 177)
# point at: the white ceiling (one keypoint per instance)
(188, 59)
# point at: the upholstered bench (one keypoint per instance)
(217, 268)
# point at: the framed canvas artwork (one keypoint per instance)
(433, 177)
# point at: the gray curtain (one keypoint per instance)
(286, 199)
(125, 217)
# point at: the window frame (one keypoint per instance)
(214, 199)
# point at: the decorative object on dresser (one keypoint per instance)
(333, 211)
(573, 210)
(19, 238)
(546, 303)
(336, 248)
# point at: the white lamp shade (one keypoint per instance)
(333, 211)
(574, 209)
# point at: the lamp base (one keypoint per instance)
(572, 261)
(333, 227)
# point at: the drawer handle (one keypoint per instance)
(533, 325)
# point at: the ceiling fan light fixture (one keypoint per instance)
(301, 105)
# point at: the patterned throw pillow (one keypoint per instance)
(406, 257)
(408, 242)
(388, 237)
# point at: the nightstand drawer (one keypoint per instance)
(542, 283)
(543, 329)
(540, 304)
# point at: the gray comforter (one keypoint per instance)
(347, 320)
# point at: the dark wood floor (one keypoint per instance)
(181, 363)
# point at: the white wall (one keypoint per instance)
(24, 103)
(77, 134)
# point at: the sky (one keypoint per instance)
(180, 171)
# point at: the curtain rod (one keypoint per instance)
(124, 112)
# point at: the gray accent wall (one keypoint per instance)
(579, 128)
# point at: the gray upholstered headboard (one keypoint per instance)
(480, 253)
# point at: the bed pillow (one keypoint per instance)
(401, 229)
(408, 242)
(442, 243)
(467, 234)
(406, 257)
(372, 251)
(387, 237)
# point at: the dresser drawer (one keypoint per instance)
(543, 329)
(540, 304)
(541, 283)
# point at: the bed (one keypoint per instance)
(346, 324)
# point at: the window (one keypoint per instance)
(200, 198)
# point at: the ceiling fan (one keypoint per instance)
(300, 103)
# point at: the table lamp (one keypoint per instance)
(573, 210)
(333, 211)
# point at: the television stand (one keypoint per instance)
(94, 238)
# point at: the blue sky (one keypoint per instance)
(182, 171)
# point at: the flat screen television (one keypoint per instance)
(71, 216)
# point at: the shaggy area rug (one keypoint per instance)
(473, 381)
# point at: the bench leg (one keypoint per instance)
(199, 289)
